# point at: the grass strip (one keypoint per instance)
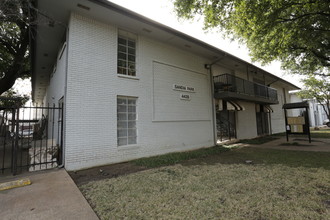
(174, 158)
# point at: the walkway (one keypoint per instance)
(52, 195)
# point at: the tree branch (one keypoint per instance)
(282, 20)
(8, 46)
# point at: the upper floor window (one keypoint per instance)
(126, 57)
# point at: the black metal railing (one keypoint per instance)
(30, 138)
(230, 83)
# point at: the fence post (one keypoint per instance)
(16, 135)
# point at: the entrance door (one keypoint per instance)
(262, 116)
(226, 122)
(226, 125)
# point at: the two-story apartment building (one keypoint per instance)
(132, 87)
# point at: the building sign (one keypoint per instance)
(295, 124)
(183, 88)
(184, 96)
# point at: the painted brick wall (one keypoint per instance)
(92, 89)
(55, 91)
(246, 125)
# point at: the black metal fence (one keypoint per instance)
(30, 138)
(230, 83)
(226, 125)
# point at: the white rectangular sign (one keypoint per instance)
(183, 88)
(184, 96)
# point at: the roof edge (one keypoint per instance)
(134, 15)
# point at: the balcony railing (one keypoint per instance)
(229, 86)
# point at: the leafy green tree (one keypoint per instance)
(318, 88)
(11, 98)
(14, 42)
(297, 33)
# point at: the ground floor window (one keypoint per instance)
(126, 120)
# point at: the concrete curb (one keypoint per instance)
(15, 184)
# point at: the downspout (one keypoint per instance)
(64, 100)
(209, 68)
(214, 119)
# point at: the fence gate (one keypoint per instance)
(30, 138)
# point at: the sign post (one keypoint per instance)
(298, 124)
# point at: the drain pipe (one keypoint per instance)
(62, 165)
(209, 68)
(214, 118)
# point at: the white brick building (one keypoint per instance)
(132, 87)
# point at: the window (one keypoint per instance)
(126, 120)
(126, 57)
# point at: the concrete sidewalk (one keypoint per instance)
(52, 195)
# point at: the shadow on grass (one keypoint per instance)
(273, 156)
(258, 140)
(296, 144)
(175, 158)
(219, 154)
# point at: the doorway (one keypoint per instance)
(225, 121)
(263, 120)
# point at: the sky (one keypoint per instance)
(162, 11)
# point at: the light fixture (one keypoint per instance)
(51, 23)
(83, 7)
(146, 30)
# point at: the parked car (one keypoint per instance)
(26, 133)
(326, 122)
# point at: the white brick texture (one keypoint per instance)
(93, 86)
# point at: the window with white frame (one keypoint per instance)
(126, 120)
(126, 54)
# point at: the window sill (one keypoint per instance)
(128, 147)
(127, 77)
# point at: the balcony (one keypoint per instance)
(229, 87)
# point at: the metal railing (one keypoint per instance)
(30, 138)
(230, 83)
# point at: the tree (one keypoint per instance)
(318, 88)
(14, 42)
(297, 33)
(11, 98)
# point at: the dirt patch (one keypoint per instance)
(82, 177)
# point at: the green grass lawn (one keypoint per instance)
(323, 133)
(216, 183)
